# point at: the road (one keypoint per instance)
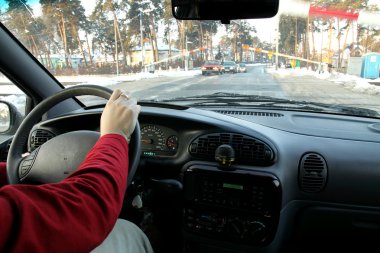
(259, 80)
(256, 81)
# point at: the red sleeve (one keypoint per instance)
(74, 215)
(3, 174)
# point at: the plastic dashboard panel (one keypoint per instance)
(352, 157)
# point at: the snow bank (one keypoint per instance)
(256, 64)
(107, 80)
(352, 82)
(3, 79)
(9, 89)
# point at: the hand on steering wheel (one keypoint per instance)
(68, 150)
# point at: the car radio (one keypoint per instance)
(238, 206)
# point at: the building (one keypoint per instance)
(163, 53)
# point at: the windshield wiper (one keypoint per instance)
(240, 100)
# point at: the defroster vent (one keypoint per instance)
(39, 137)
(251, 113)
(248, 150)
(312, 173)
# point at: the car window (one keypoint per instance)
(212, 62)
(327, 55)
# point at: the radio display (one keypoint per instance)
(233, 186)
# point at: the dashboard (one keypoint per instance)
(317, 174)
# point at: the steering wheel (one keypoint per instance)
(57, 158)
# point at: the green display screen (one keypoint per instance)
(233, 186)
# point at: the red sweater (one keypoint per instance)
(74, 215)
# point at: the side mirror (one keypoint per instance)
(10, 118)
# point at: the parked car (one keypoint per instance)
(242, 68)
(230, 67)
(212, 67)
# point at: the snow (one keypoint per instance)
(9, 89)
(108, 80)
(255, 64)
(355, 83)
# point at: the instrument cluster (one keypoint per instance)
(158, 141)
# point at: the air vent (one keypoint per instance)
(312, 173)
(39, 137)
(251, 113)
(248, 150)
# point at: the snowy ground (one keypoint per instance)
(113, 79)
(11, 93)
(354, 83)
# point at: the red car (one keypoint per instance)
(212, 67)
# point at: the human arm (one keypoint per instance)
(3, 174)
(76, 214)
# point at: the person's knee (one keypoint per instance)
(125, 237)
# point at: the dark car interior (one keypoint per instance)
(223, 180)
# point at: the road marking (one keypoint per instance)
(189, 83)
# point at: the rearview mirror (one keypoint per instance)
(224, 10)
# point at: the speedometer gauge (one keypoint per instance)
(158, 141)
(152, 138)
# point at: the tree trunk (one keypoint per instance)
(38, 54)
(345, 40)
(47, 53)
(88, 49)
(154, 35)
(339, 52)
(170, 44)
(64, 39)
(201, 40)
(120, 39)
(366, 40)
(329, 38)
(151, 47)
(235, 43)
(307, 43)
(312, 39)
(76, 34)
(105, 54)
(296, 39)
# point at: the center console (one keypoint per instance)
(239, 206)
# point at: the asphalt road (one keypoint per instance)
(255, 81)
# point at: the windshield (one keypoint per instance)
(212, 63)
(321, 58)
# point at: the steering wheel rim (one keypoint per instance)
(21, 136)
